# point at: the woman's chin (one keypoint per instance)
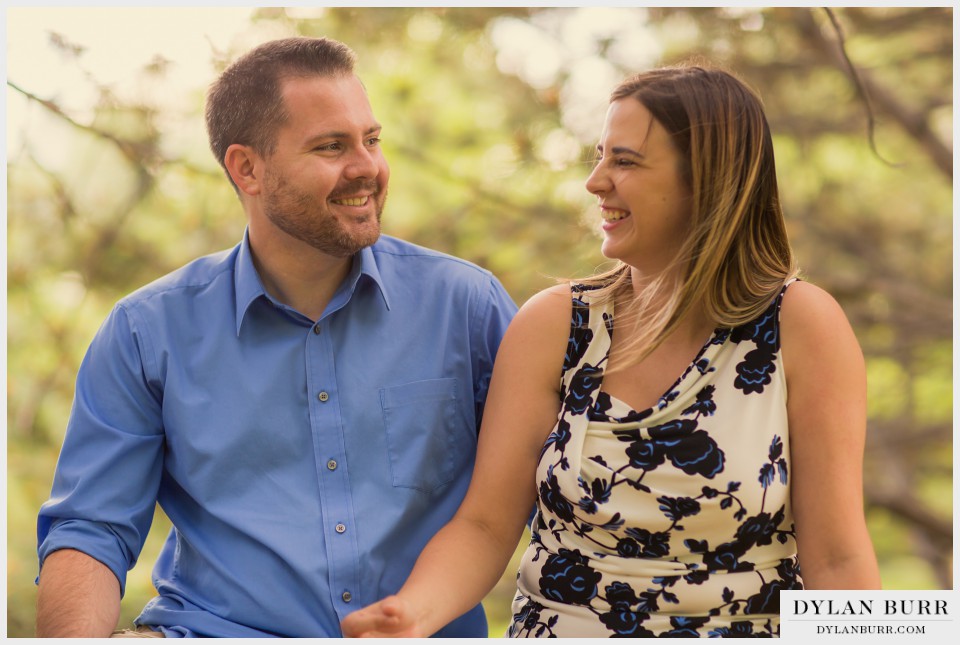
(610, 250)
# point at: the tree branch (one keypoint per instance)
(128, 148)
(915, 124)
(858, 84)
(915, 512)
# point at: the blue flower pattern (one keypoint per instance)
(673, 461)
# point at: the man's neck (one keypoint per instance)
(300, 277)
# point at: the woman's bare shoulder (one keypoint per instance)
(538, 335)
(814, 330)
(549, 307)
(806, 306)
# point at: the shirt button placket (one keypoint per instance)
(335, 494)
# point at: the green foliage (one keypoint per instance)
(489, 165)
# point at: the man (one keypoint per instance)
(304, 407)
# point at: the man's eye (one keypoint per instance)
(373, 141)
(327, 147)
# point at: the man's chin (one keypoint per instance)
(369, 235)
(348, 247)
(369, 241)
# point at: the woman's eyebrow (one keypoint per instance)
(619, 150)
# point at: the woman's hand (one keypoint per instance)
(392, 617)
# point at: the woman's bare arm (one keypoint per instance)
(826, 406)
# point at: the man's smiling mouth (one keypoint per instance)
(351, 201)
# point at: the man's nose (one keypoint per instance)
(362, 164)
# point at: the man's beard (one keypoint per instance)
(301, 216)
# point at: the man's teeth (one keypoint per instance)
(612, 215)
(352, 201)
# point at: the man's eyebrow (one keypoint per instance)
(336, 134)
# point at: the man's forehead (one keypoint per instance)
(327, 106)
(293, 83)
(332, 93)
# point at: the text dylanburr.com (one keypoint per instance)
(839, 615)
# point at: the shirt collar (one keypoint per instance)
(369, 268)
(248, 286)
(246, 281)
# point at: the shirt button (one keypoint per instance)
(332, 464)
(340, 528)
(316, 328)
(324, 397)
(347, 596)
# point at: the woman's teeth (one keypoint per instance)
(613, 214)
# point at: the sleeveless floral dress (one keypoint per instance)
(669, 521)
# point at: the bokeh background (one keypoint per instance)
(490, 119)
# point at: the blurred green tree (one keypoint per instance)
(491, 116)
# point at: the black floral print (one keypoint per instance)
(580, 334)
(663, 522)
(553, 500)
(756, 370)
(567, 577)
(579, 394)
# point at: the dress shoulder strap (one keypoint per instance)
(765, 328)
(581, 325)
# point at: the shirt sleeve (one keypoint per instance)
(495, 311)
(105, 486)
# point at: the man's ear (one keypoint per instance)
(245, 168)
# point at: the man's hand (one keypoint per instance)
(392, 617)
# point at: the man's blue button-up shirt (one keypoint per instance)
(304, 464)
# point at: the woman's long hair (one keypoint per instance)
(736, 256)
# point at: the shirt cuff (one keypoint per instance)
(95, 539)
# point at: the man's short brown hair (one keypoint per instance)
(245, 104)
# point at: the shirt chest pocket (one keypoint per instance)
(420, 421)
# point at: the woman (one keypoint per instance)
(690, 424)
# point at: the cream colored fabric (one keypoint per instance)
(673, 520)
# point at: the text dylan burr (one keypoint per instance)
(916, 607)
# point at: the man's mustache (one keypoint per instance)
(354, 187)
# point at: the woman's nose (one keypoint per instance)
(598, 182)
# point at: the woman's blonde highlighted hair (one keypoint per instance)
(737, 256)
